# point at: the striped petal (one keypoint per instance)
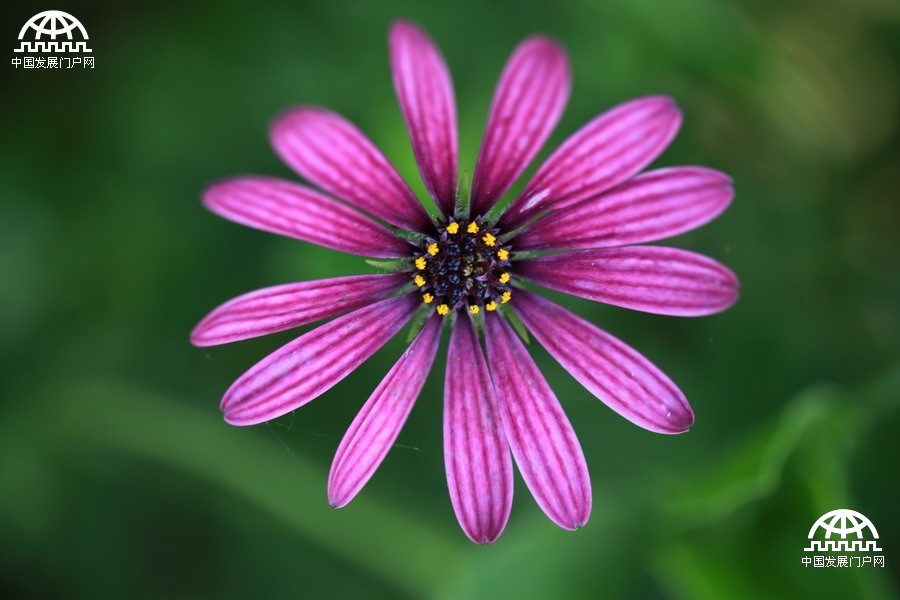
(649, 207)
(653, 279)
(283, 307)
(543, 443)
(603, 153)
(312, 364)
(425, 92)
(332, 153)
(624, 380)
(378, 424)
(296, 211)
(528, 102)
(476, 453)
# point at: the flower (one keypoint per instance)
(587, 204)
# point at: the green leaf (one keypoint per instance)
(412, 236)
(418, 321)
(251, 465)
(753, 471)
(392, 264)
(517, 324)
(463, 195)
(766, 495)
(514, 232)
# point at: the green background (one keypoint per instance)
(118, 477)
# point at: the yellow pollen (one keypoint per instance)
(433, 249)
(504, 277)
(489, 239)
(473, 309)
(490, 306)
(420, 263)
(502, 254)
(419, 280)
(427, 298)
(443, 309)
(452, 227)
(505, 297)
(473, 227)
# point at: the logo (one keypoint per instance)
(53, 32)
(843, 531)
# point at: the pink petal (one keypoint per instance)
(332, 153)
(476, 454)
(624, 380)
(541, 438)
(528, 102)
(283, 307)
(289, 209)
(425, 91)
(647, 208)
(378, 424)
(312, 364)
(654, 279)
(605, 152)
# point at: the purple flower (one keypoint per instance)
(587, 204)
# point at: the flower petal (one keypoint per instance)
(378, 424)
(476, 453)
(304, 369)
(425, 92)
(647, 208)
(541, 438)
(296, 211)
(624, 380)
(283, 307)
(528, 102)
(654, 279)
(605, 152)
(332, 153)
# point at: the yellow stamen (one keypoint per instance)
(452, 227)
(504, 277)
(473, 309)
(427, 298)
(433, 249)
(419, 280)
(489, 239)
(505, 297)
(490, 306)
(443, 309)
(420, 263)
(473, 227)
(502, 254)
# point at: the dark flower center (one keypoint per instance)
(461, 265)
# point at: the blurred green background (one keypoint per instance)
(118, 477)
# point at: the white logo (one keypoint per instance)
(53, 24)
(843, 522)
(51, 32)
(839, 531)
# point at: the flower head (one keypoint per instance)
(576, 228)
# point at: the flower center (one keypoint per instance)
(463, 265)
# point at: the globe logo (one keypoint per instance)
(843, 530)
(46, 27)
